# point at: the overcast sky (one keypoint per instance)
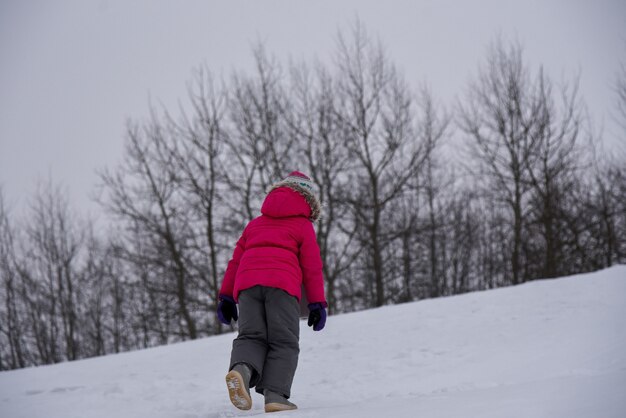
(72, 72)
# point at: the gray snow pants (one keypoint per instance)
(268, 340)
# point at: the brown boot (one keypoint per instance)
(275, 402)
(237, 382)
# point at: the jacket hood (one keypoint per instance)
(288, 199)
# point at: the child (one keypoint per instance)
(276, 253)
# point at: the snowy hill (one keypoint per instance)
(552, 348)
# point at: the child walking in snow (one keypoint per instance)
(275, 255)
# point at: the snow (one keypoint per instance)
(552, 348)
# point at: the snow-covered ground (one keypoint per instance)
(552, 348)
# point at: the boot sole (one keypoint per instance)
(277, 407)
(237, 391)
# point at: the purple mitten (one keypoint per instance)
(227, 309)
(317, 315)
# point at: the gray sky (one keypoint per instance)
(72, 72)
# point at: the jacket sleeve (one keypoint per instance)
(228, 283)
(311, 265)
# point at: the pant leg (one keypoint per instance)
(251, 345)
(283, 332)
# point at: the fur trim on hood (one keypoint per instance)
(311, 199)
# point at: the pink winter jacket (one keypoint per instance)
(278, 249)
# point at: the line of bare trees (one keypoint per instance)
(419, 201)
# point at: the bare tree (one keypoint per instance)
(311, 117)
(13, 352)
(104, 322)
(376, 111)
(432, 128)
(553, 173)
(461, 242)
(200, 140)
(502, 118)
(258, 147)
(600, 217)
(56, 241)
(143, 193)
